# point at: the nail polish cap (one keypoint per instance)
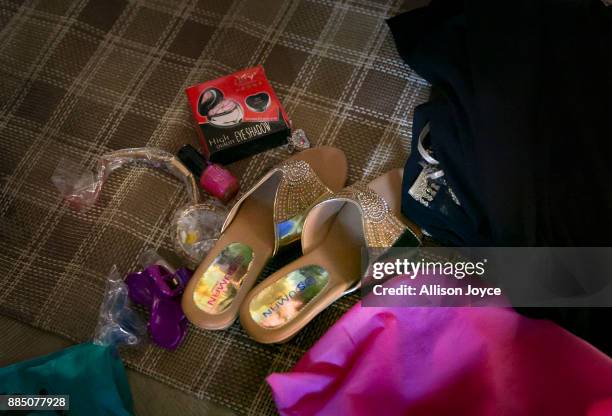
(193, 160)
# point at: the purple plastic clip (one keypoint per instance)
(160, 290)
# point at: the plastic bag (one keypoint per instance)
(196, 227)
(118, 324)
(81, 188)
(150, 257)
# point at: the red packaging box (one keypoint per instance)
(238, 115)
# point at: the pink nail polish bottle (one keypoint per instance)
(213, 178)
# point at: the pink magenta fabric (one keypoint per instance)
(446, 361)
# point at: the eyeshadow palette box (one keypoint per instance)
(238, 115)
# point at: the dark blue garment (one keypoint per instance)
(450, 222)
(520, 124)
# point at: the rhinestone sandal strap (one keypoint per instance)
(299, 188)
(381, 228)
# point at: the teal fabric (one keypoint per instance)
(92, 375)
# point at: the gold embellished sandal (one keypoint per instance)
(335, 231)
(269, 216)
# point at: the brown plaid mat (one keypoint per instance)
(81, 78)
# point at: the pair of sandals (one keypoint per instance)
(302, 198)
